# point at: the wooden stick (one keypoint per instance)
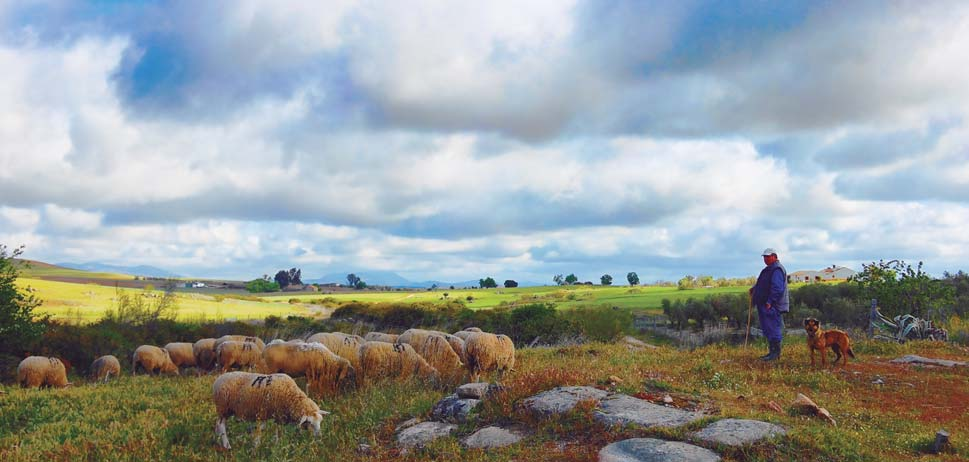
(750, 309)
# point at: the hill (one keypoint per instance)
(41, 270)
(140, 270)
(385, 278)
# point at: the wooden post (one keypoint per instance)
(872, 316)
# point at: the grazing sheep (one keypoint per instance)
(41, 371)
(257, 397)
(104, 367)
(182, 354)
(153, 359)
(204, 352)
(242, 354)
(489, 352)
(381, 337)
(441, 350)
(325, 371)
(344, 345)
(239, 338)
(463, 334)
(382, 359)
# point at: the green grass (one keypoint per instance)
(647, 298)
(88, 303)
(171, 418)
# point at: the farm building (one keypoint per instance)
(831, 273)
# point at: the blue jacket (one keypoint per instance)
(771, 288)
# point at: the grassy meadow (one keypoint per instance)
(88, 303)
(171, 418)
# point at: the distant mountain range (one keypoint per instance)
(141, 270)
(392, 279)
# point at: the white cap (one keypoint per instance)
(768, 251)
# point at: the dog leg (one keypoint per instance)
(824, 355)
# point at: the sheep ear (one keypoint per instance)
(303, 420)
(322, 413)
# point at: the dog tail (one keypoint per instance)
(851, 354)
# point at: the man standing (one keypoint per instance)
(770, 297)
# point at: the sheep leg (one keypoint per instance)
(221, 433)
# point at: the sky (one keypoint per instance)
(460, 140)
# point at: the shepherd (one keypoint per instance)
(770, 297)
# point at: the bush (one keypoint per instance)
(600, 323)
(262, 285)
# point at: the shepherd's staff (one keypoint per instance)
(750, 309)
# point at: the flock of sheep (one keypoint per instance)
(330, 361)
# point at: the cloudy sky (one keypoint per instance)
(453, 141)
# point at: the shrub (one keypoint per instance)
(600, 323)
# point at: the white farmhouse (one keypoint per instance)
(831, 273)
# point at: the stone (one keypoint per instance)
(738, 432)
(454, 409)
(562, 399)
(476, 390)
(493, 437)
(916, 359)
(408, 423)
(423, 433)
(775, 407)
(615, 380)
(624, 409)
(654, 450)
(636, 343)
(668, 399)
(941, 442)
(804, 405)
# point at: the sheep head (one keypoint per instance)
(313, 420)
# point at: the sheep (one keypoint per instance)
(463, 334)
(234, 353)
(383, 359)
(324, 370)
(204, 352)
(381, 337)
(415, 337)
(437, 348)
(489, 352)
(153, 359)
(257, 397)
(344, 345)
(182, 354)
(104, 367)
(239, 338)
(41, 371)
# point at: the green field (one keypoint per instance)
(643, 298)
(171, 418)
(88, 303)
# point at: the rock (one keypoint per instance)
(668, 399)
(364, 448)
(738, 432)
(624, 409)
(804, 405)
(454, 409)
(636, 343)
(775, 407)
(878, 381)
(653, 450)
(423, 433)
(561, 400)
(493, 437)
(615, 380)
(941, 441)
(408, 423)
(476, 390)
(916, 359)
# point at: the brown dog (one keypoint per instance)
(818, 339)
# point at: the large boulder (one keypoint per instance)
(562, 399)
(423, 433)
(624, 409)
(653, 450)
(738, 432)
(454, 409)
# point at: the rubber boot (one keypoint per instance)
(775, 351)
(770, 351)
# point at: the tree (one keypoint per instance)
(295, 276)
(606, 280)
(559, 279)
(509, 283)
(262, 285)
(686, 283)
(18, 328)
(282, 278)
(487, 283)
(571, 279)
(633, 278)
(360, 285)
(901, 289)
(352, 280)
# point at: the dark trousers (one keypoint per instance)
(771, 323)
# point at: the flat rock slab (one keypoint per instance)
(562, 399)
(653, 450)
(423, 433)
(493, 437)
(624, 410)
(738, 432)
(916, 359)
(454, 409)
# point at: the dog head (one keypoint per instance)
(812, 326)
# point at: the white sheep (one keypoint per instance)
(104, 367)
(258, 397)
(381, 337)
(324, 370)
(242, 354)
(182, 354)
(436, 348)
(487, 352)
(239, 338)
(344, 345)
(382, 359)
(41, 371)
(204, 352)
(153, 359)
